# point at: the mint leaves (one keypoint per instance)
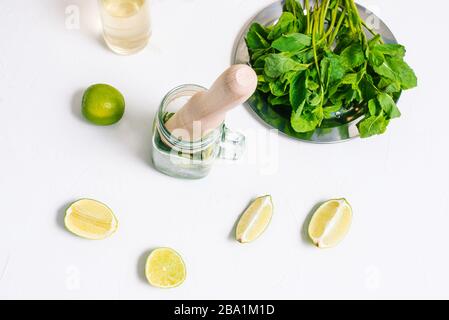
(318, 62)
(292, 43)
(277, 65)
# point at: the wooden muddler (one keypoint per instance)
(206, 111)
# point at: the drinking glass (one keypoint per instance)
(126, 24)
(190, 159)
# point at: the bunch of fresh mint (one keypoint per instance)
(319, 62)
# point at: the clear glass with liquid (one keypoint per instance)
(126, 24)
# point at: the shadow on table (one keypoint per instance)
(60, 215)
(305, 226)
(134, 131)
(75, 104)
(79, 16)
(141, 263)
(232, 233)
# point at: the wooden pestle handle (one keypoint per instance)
(207, 110)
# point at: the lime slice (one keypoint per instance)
(103, 105)
(165, 268)
(90, 219)
(255, 220)
(330, 223)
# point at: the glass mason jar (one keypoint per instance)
(190, 159)
(126, 24)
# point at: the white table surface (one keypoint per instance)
(398, 183)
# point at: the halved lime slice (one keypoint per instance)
(165, 268)
(90, 219)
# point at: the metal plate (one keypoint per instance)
(342, 127)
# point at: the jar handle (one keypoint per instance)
(232, 145)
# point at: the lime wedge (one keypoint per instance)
(90, 219)
(330, 223)
(255, 220)
(165, 268)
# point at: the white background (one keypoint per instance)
(398, 183)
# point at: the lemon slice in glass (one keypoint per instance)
(90, 219)
(255, 220)
(330, 223)
(165, 268)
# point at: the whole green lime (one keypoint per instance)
(103, 104)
